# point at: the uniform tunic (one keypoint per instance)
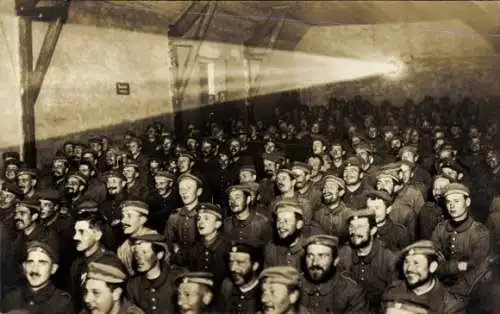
(340, 295)
(334, 221)
(277, 255)
(313, 194)
(439, 300)
(356, 199)
(431, 214)
(233, 300)
(256, 230)
(467, 242)
(373, 272)
(394, 236)
(181, 231)
(46, 300)
(154, 296)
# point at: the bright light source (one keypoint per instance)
(395, 68)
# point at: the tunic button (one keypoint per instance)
(153, 308)
(153, 300)
(242, 297)
(32, 303)
(153, 290)
(317, 294)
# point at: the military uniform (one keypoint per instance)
(234, 300)
(255, 230)
(355, 199)
(430, 216)
(394, 236)
(46, 300)
(278, 255)
(334, 221)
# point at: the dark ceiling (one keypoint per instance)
(237, 21)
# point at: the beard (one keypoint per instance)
(318, 275)
(71, 192)
(242, 278)
(269, 173)
(288, 240)
(420, 282)
(360, 245)
(329, 200)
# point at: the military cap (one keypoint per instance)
(114, 174)
(245, 188)
(87, 150)
(381, 194)
(50, 247)
(185, 153)
(240, 247)
(154, 159)
(12, 161)
(79, 176)
(211, 140)
(50, 195)
(131, 163)
(323, 239)
(211, 209)
(274, 157)
(456, 188)
(87, 206)
(60, 157)
(451, 164)
(302, 165)
(165, 174)
(30, 204)
(363, 146)
(285, 275)
(362, 213)
(249, 168)
(321, 138)
(109, 271)
(27, 171)
(13, 188)
(330, 177)
(392, 173)
(189, 176)
(405, 302)
(353, 161)
(95, 139)
(407, 148)
(134, 139)
(288, 206)
(289, 171)
(201, 278)
(152, 237)
(138, 206)
(11, 156)
(425, 247)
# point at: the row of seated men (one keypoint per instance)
(360, 225)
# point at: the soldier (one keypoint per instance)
(152, 289)
(246, 224)
(74, 191)
(433, 211)
(135, 186)
(195, 293)
(39, 295)
(419, 263)
(60, 168)
(464, 242)
(27, 182)
(272, 162)
(11, 194)
(403, 305)
(324, 289)
(365, 259)
(116, 194)
(421, 178)
(11, 162)
(240, 292)
(287, 247)
(409, 195)
(96, 189)
(316, 162)
(281, 291)
(248, 174)
(134, 217)
(303, 185)
(135, 154)
(332, 216)
(393, 235)
(181, 230)
(354, 196)
(209, 253)
(89, 231)
(163, 201)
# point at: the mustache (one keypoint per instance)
(18, 220)
(313, 268)
(34, 274)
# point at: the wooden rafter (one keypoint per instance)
(188, 18)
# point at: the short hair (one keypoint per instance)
(95, 220)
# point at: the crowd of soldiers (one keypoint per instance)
(350, 208)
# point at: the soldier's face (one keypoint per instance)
(223, 161)
(372, 132)
(270, 147)
(457, 205)
(207, 223)
(351, 175)
(315, 128)
(408, 156)
(191, 144)
(25, 183)
(183, 164)
(388, 135)
(395, 144)
(336, 151)
(131, 221)
(84, 169)
(315, 164)
(188, 191)
(189, 297)
(134, 148)
(58, 168)
(166, 144)
(416, 269)
(240, 266)
(247, 177)
(286, 224)
(301, 177)
(98, 297)
(284, 182)
(162, 185)
(270, 167)
(406, 172)
(438, 187)
(234, 148)
(48, 209)
(72, 186)
(68, 149)
(206, 149)
(8, 199)
(114, 185)
(379, 207)
(96, 147)
(359, 233)
(449, 172)
(386, 184)
(38, 268)
(85, 237)
(23, 217)
(237, 201)
(331, 192)
(414, 137)
(317, 147)
(475, 144)
(319, 261)
(11, 172)
(144, 256)
(492, 160)
(275, 298)
(130, 173)
(110, 158)
(77, 152)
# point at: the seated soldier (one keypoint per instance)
(195, 293)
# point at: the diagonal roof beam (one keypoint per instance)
(188, 18)
(261, 31)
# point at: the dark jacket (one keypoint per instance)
(233, 300)
(277, 255)
(256, 230)
(394, 236)
(334, 221)
(45, 300)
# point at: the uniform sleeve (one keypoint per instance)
(170, 232)
(266, 233)
(65, 305)
(403, 237)
(446, 268)
(357, 303)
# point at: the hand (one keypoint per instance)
(462, 266)
(176, 248)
